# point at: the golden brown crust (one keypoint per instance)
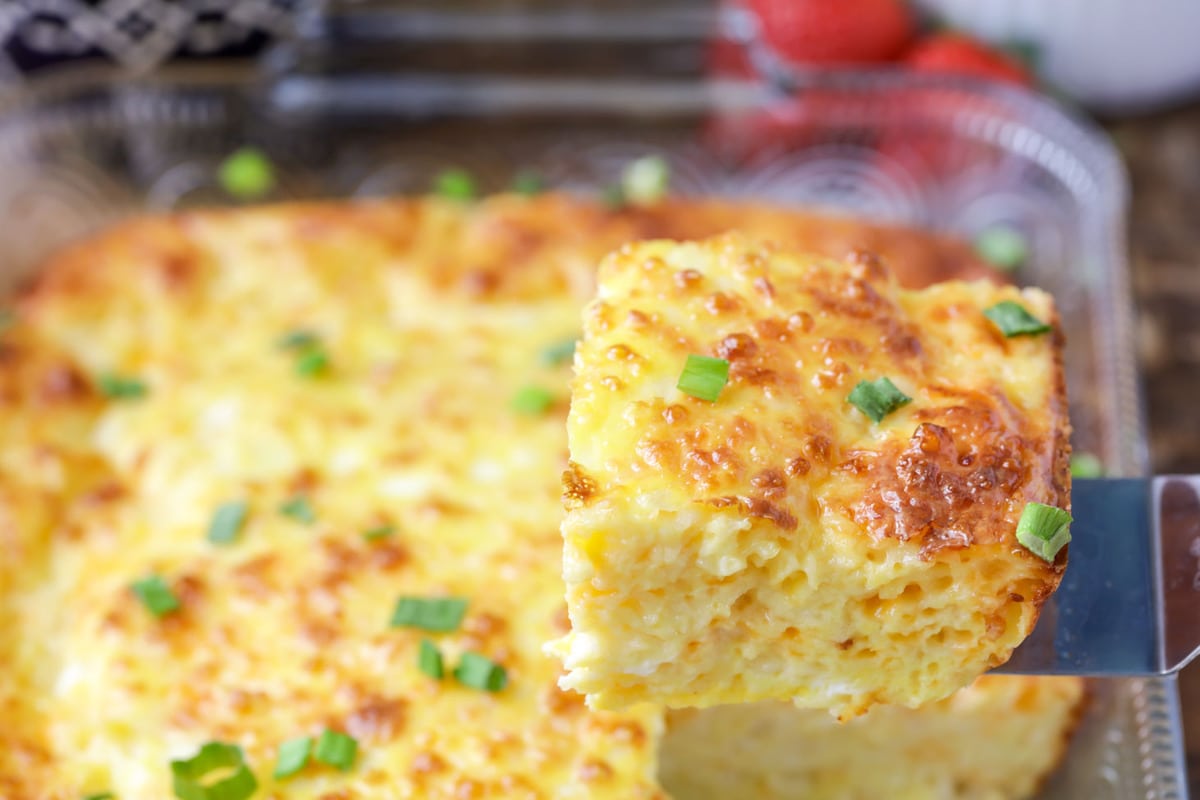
(971, 449)
(504, 247)
(943, 487)
(782, 498)
(578, 488)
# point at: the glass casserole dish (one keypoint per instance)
(371, 117)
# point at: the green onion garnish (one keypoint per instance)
(217, 772)
(311, 358)
(703, 377)
(480, 672)
(429, 660)
(646, 180)
(1013, 320)
(298, 508)
(877, 398)
(559, 352)
(246, 174)
(1044, 530)
(227, 522)
(117, 387)
(438, 614)
(336, 750)
(101, 796)
(532, 400)
(299, 339)
(7, 319)
(528, 183)
(156, 596)
(292, 756)
(1003, 247)
(455, 184)
(1086, 465)
(378, 532)
(312, 363)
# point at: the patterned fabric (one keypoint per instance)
(136, 34)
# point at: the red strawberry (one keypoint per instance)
(834, 31)
(728, 59)
(958, 54)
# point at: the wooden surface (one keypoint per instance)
(1163, 155)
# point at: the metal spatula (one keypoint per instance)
(1130, 601)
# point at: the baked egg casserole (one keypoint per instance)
(280, 507)
(996, 739)
(792, 479)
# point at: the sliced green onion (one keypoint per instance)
(246, 174)
(1003, 247)
(1086, 465)
(227, 522)
(480, 672)
(311, 358)
(703, 377)
(429, 660)
(455, 184)
(559, 352)
(156, 596)
(646, 180)
(877, 398)
(378, 532)
(532, 400)
(613, 197)
(101, 796)
(312, 363)
(292, 756)
(299, 339)
(528, 183)
(1013, 320)
(217, 772)
(337, 750)
(1044, 530)
(117, 387)
(298, 508)
(7, 319)
(438, 614)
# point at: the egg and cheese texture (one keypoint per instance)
(994, 740)
(284, 631)
(778, 543)
(431, 315)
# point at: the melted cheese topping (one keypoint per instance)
(777, 543)
(433, 314)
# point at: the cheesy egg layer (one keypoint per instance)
(779, 543)
(223, 319)
(994, 740)
(392, 367)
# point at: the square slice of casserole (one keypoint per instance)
(779, 542)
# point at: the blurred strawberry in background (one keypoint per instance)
(847, 32)
(959, 54)
(835, 31)
(803, 34)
